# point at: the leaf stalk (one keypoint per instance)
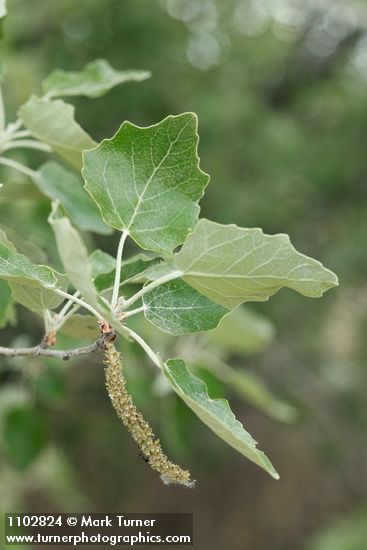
(147, 288)
(116, 285)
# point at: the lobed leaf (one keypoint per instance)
(177, 308)
(215, 413)
(52, 121)
(59, 183)
(231, 265)
(94, 80)
(147, 181)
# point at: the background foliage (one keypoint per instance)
(279, 89)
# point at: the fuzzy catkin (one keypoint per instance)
(133, 420)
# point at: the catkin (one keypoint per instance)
(142, 433)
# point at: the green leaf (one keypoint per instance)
(16, 267)
(52, 121)
(6, 302)
(231, 265)
(132, 270)
(73, 254)
(82, 327)
(242, 331)
(101, 263)
(38, 298)
(94, 80)
(23, 246)
(24, 435)
(59, 183)
(215, 413)
(147, 181)
(30, 285)
(177, 308)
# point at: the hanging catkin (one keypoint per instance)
(133, 420)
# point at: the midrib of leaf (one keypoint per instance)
(150, 179)
(259, 280)
(207, 275)
(237, 261)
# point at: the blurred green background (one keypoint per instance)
(279, 87)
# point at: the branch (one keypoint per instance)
(65, 354)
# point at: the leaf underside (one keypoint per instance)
(37, 298)
(94, 80)
(53, 122)
(231, 265)
(215, 413)
(59, 183)
(16, 267)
